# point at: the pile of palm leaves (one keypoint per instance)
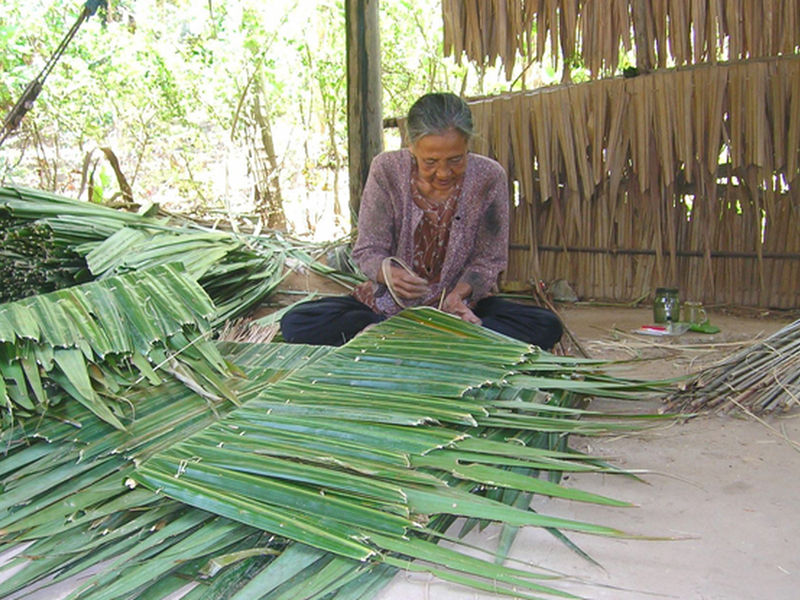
(761, 378)
(332, 469)
(93, 342)
(30, 260)
(136, 448)
(51, 242)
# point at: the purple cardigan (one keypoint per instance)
(478, 247)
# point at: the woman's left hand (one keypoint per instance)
(454, 304)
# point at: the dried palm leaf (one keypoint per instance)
(667, 32)
(676, 178)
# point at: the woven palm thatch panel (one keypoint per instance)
(685, 177)
(669, 32)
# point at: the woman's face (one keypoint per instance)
(441, 158)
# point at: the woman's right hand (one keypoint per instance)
(455, 305)
(406, 285)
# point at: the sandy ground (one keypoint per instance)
(724, 489)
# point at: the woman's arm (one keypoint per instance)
(376, 222)
(489, 256)
(379, 220)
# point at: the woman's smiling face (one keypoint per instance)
(441, 158)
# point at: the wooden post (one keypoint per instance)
(364, 119)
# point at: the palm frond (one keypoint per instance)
(340, 466)
(64, 491)
(51, 242)
(237, 273)
(354, 455)
(91, 342)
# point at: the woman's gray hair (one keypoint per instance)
(437, 113)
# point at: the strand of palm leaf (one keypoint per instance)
(761, 378)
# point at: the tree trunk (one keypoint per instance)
(264, 165)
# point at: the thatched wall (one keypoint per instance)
(668, 32)
(686, 177)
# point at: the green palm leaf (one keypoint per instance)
(325, 501)
(51, 242)
(65, 338)
(64, 487)
(349, 450)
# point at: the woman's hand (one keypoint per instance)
(455, 305)
(406, 285)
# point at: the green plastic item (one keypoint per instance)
(704, 328)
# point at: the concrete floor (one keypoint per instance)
(725, 488)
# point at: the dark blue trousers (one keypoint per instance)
(335, 320)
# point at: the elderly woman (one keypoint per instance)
(432, 230)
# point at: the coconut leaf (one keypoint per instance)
(357, 479)
(55, 242)
(241, 467)
(65, 491)
(140, 319)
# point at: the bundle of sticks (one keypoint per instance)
(761, 378)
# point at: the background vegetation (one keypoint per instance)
(218, 109)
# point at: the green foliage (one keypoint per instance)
(413, 69)
(347, 449)
(166, 85)
(91, 342)
(12, 61)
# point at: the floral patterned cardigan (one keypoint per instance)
(477, 250)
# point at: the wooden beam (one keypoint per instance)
(652, 252)
(364, 118)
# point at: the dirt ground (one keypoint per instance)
(723, 488)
